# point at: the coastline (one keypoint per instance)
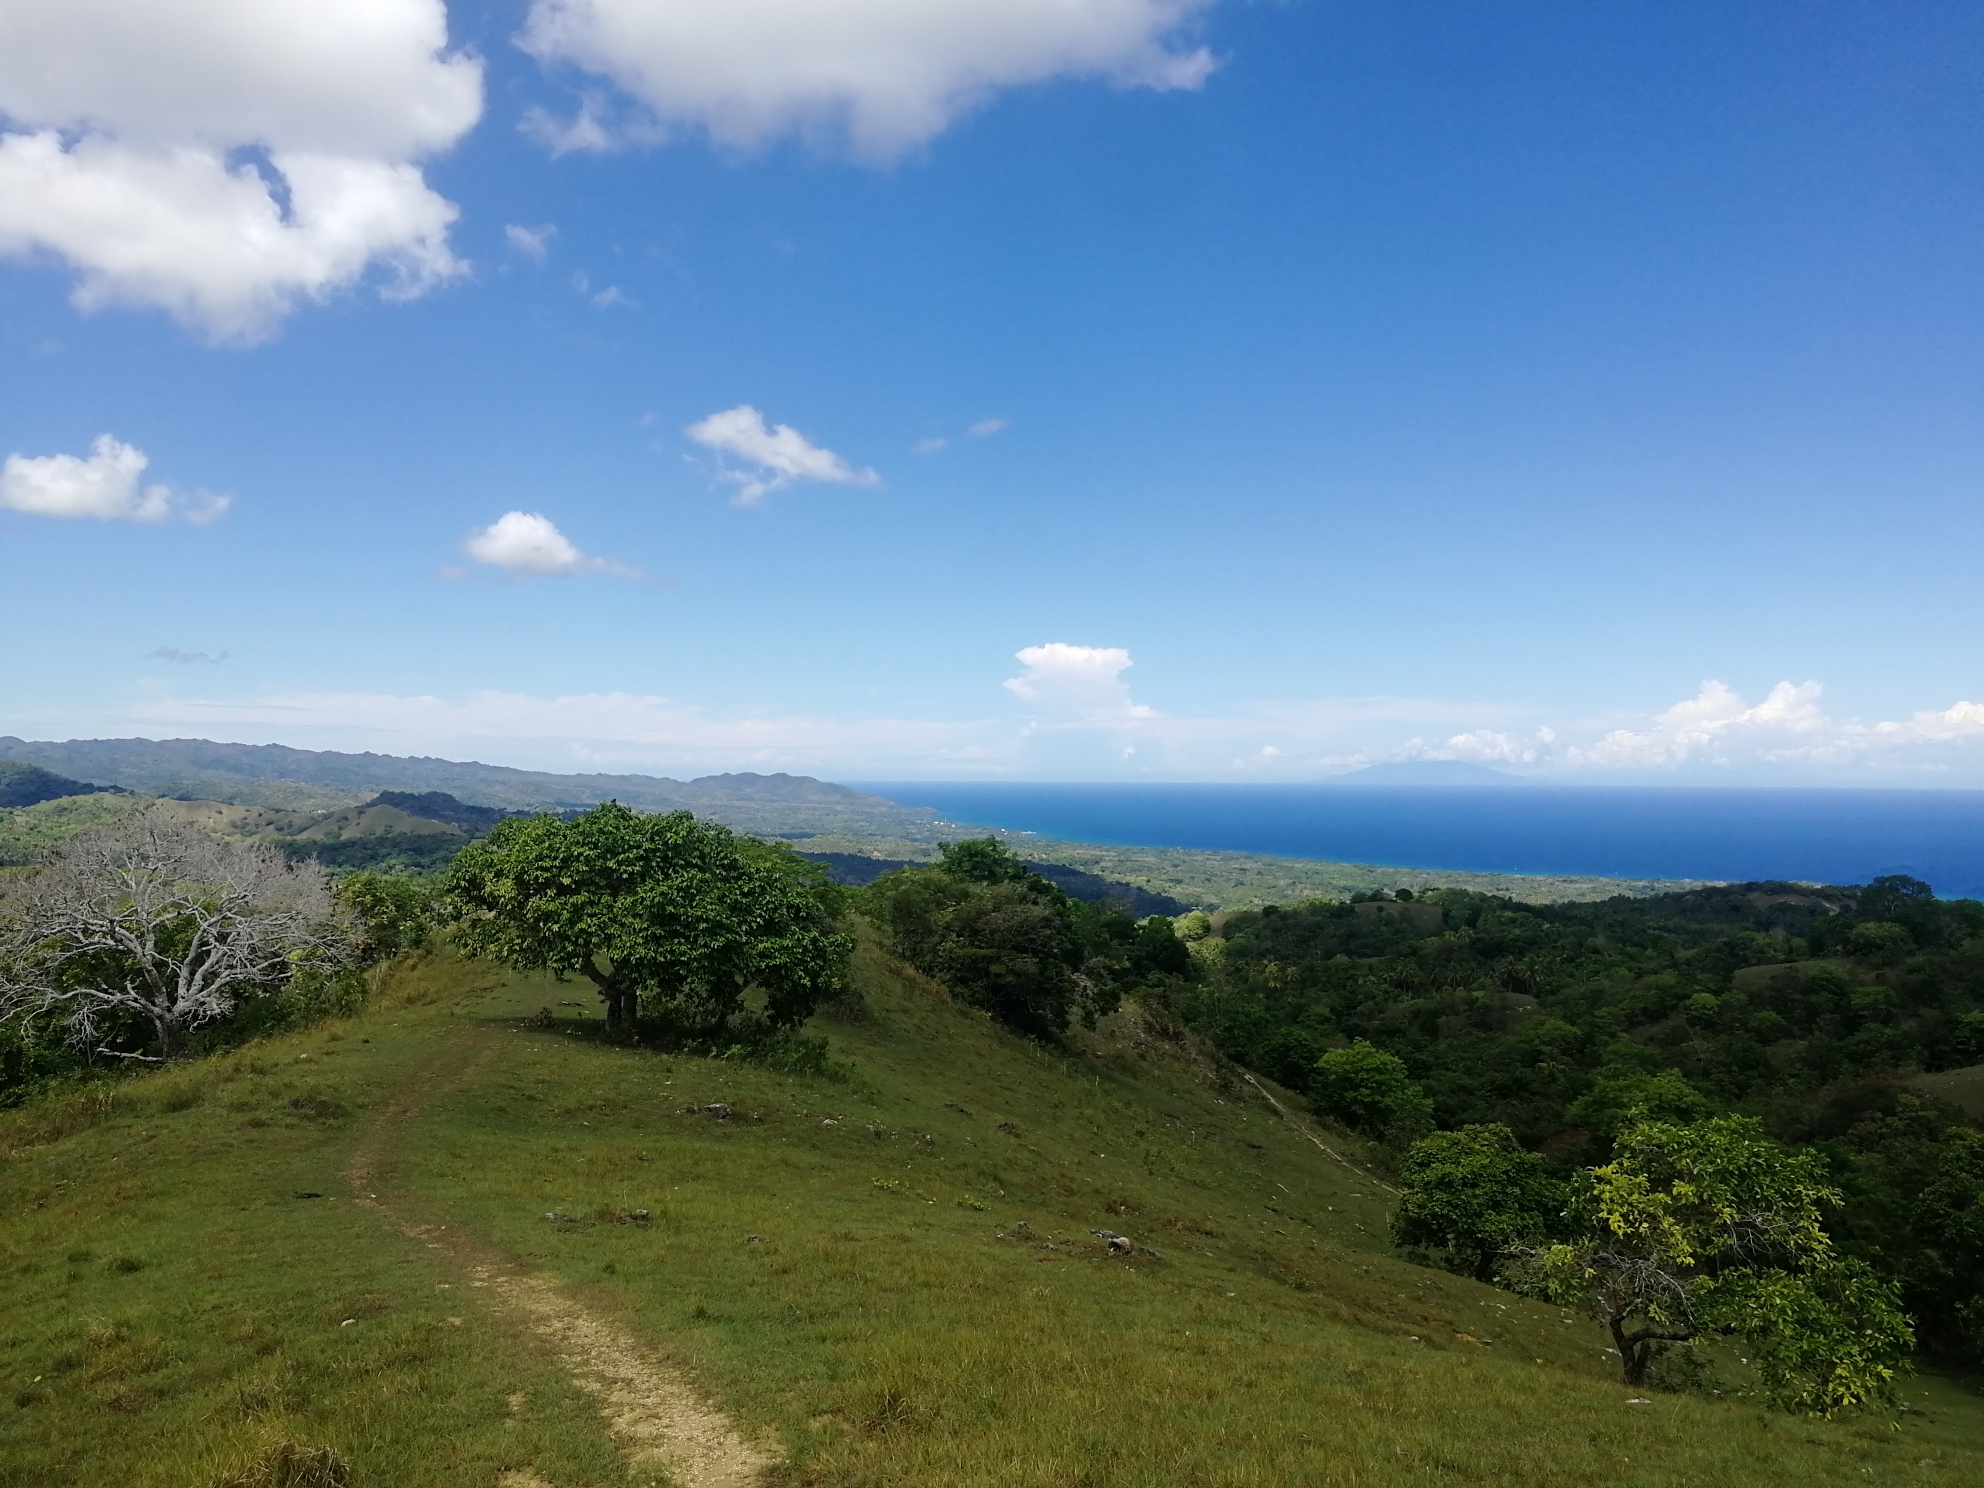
(1212, 879)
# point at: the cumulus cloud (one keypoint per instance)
(882, 75)
(1790, 726)
(1488, 747)
(223, 159)
(1083, 725)
(530, 545)
(103, 485)
(778, 454)
(1081, 683)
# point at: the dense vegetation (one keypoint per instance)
(1807, 1009)
(30, 785)
(1691, 1117)
(684, 927)
(1009, 941)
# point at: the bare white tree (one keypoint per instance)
(156, 918)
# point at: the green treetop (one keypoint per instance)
(682, 914)
(1713, 1228)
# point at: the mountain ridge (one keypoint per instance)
(276, 775)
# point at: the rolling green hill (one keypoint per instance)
(320, 780)
(461, 1241)
(29, 785)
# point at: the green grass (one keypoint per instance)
(1960, 1087)
(27, 832)
(889, 1274)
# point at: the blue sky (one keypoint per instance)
(1591, 389)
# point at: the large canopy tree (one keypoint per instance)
(1006, 940)
(1476, 1194)
(1712, 1228)
(155, 922)
(684, 914)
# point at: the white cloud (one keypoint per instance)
(186, 658)
(1789, 727)
(1082, 683)
(779, 453)
(1488, 747)
(1711, 725)
(104, 485)
(588, 731)
(530, 544)
(884, 75)
(1083, 725)
(931, 445)
(222, 159)
(986, 427)
(531, 242)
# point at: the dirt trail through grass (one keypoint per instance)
(651, 1409)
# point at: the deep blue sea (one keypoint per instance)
(1826, 836)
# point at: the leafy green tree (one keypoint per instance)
(1476, 1195)
(1823, 1340)
(394, 911)
(1006, 950)
(1896, 897)
(1882, 942)
(985, 860)
(1369, 1091)
(1004, 939)
(1713, 1228)
(1617, 1101)
(681, 914)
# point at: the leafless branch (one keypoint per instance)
(156, 919)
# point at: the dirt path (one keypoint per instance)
(1367, 1176)
(649, 1407)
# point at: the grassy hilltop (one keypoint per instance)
(347, 1237)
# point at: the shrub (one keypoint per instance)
(1369, 1091)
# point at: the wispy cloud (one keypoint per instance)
(529, 545)
(187, 658)
(986, 427)
(103, 485)
(778, 454)
(531, 242)
(1069, 714)
(612, 297)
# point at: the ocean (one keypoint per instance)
(1824, 836)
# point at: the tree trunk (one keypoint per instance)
(1636, 1348)
(623, 1004)
(166, 1043)
(1633, 1356)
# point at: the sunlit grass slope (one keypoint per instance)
(889, 1276)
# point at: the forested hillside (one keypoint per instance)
(274, 775)
(1819, 1011)
(425, 1222)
